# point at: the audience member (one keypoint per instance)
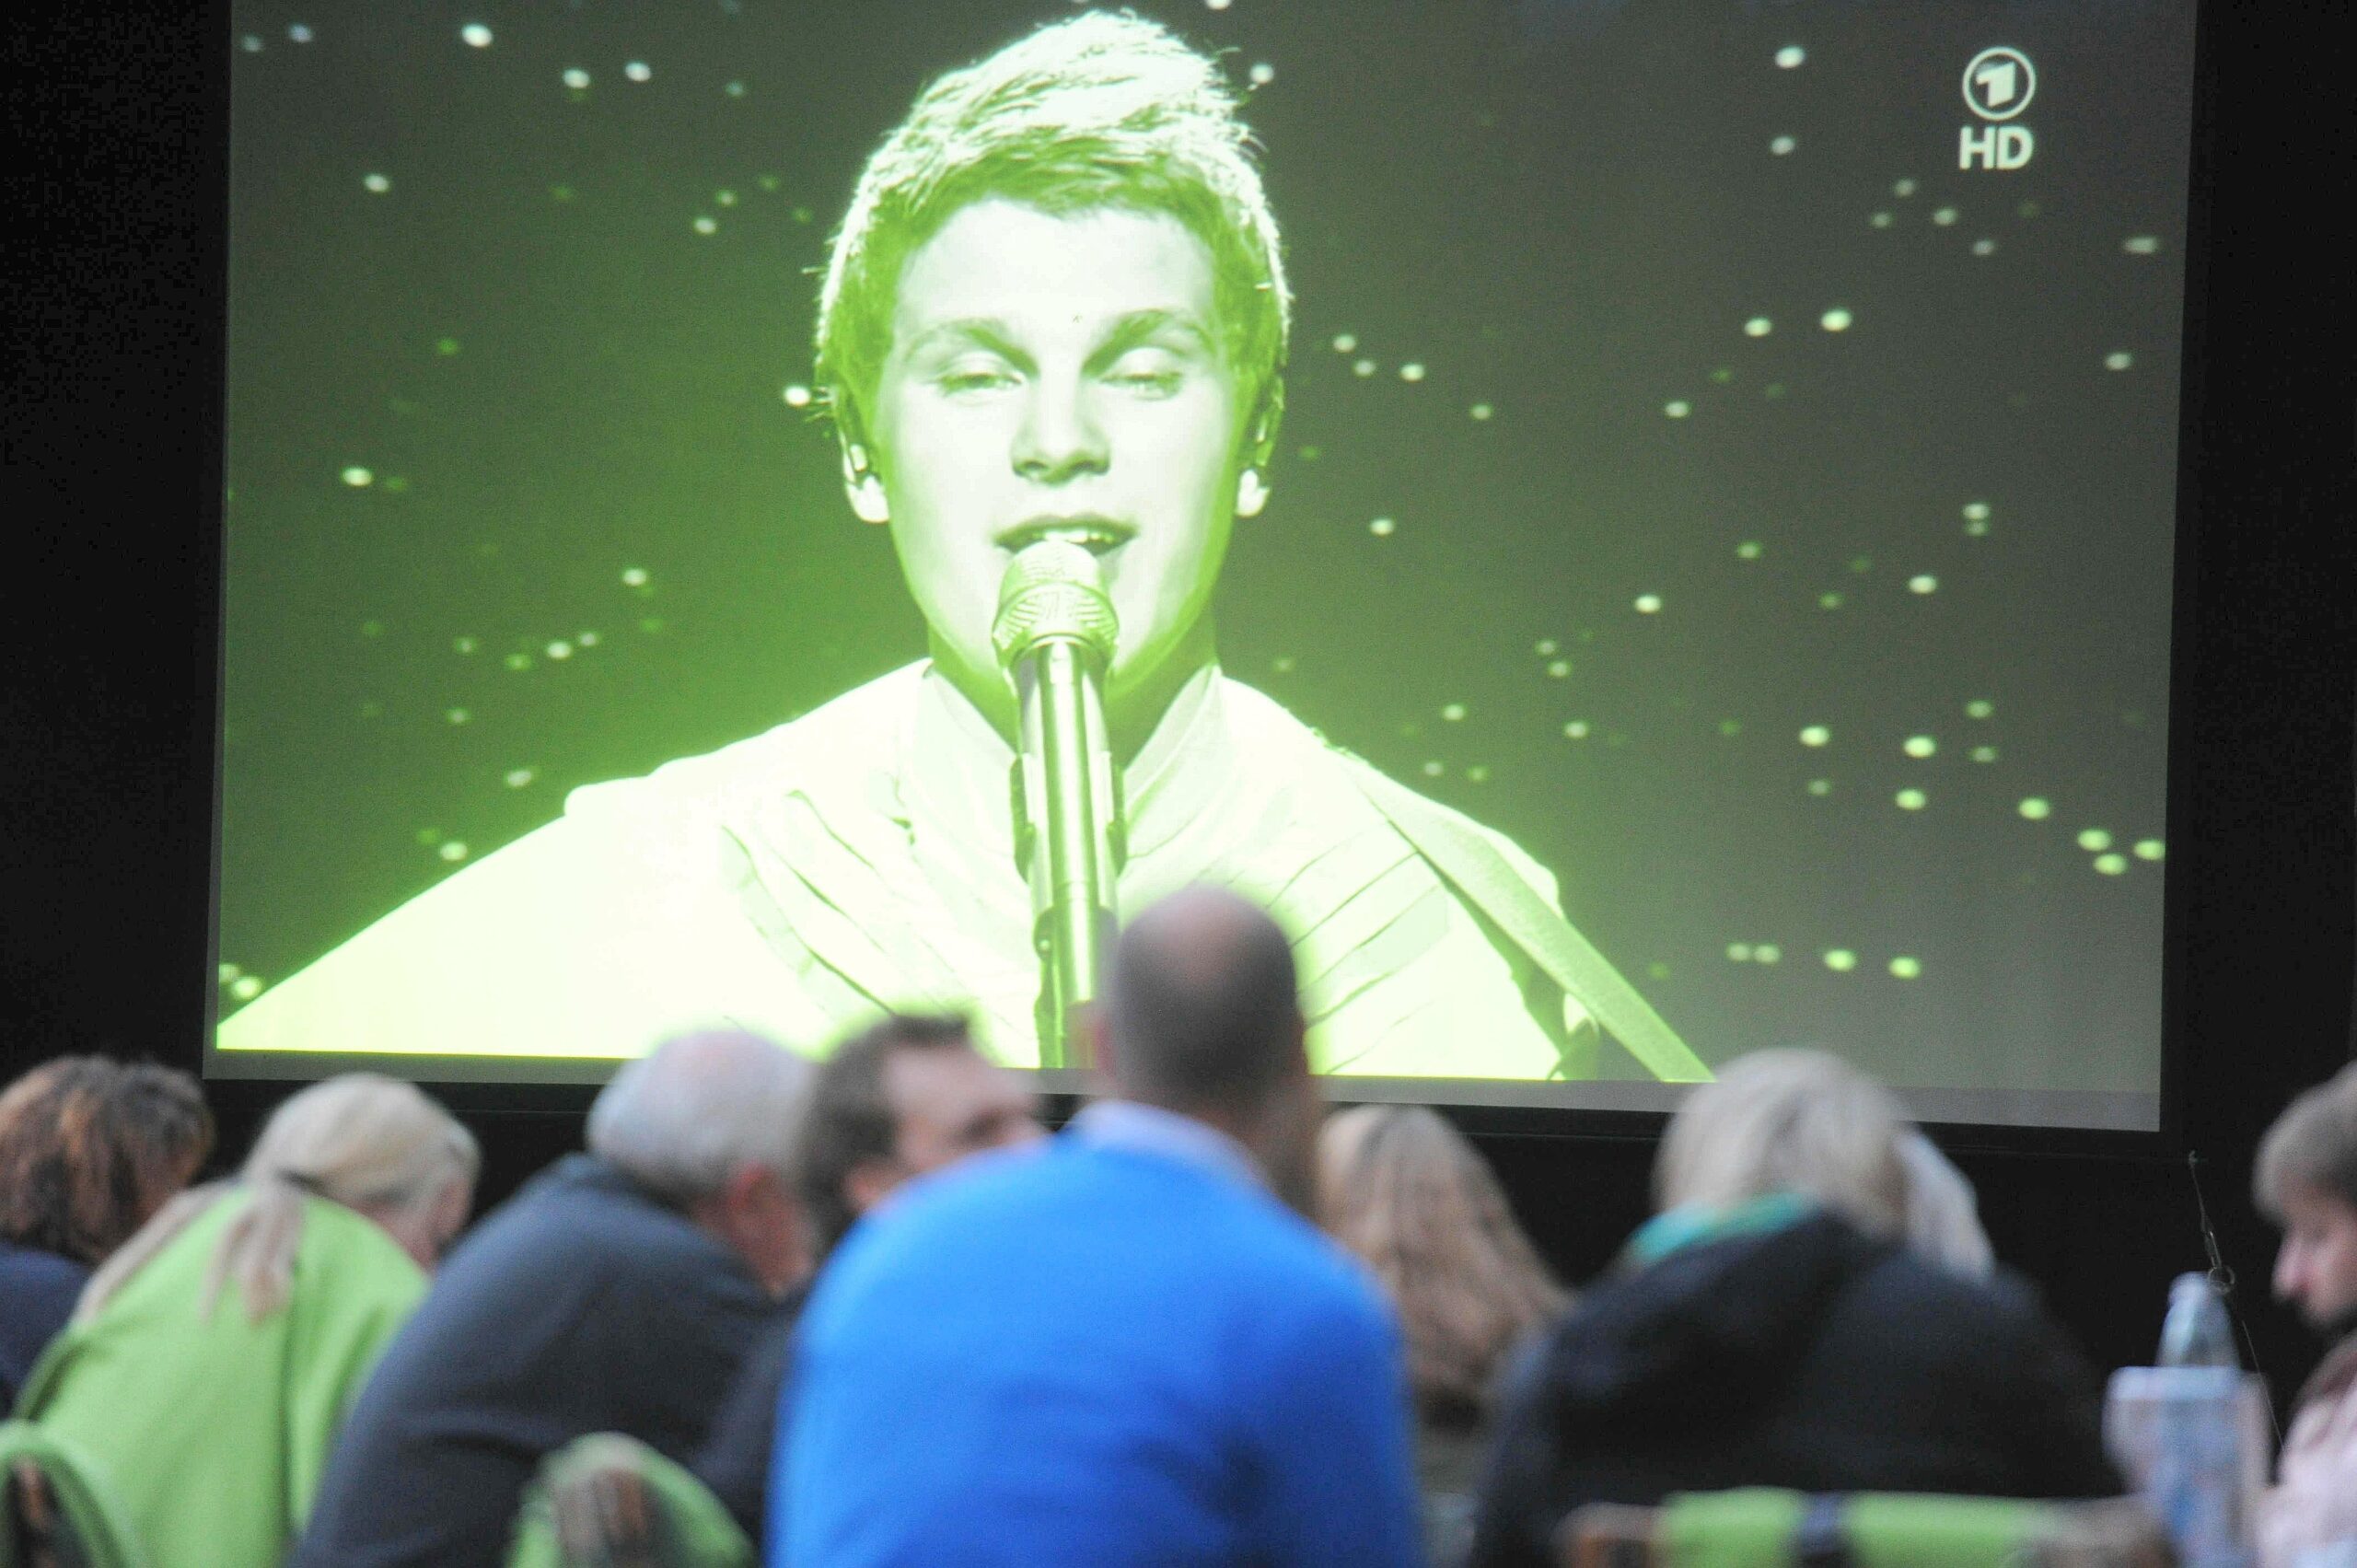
(1403, 1190)
(619, 1291)
(1124, 1348)
(1942, 1215)
(89, 1149)
(2308, 1183)
(905, 1098)
(211, 1358)
(1767, 1327)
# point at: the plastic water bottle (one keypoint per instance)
(2191, 1433)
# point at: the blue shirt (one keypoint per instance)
(1120, 1348)
(38, 1290)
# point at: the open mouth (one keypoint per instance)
(1099, 534)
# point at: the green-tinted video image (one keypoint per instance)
(1641, 533)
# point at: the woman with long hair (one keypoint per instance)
(211, 1358)
(1402, 1189)
(89, 1149)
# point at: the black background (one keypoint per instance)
(116, 117)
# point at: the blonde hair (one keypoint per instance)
(1401, 1187)
(2312, 1144)
(1942, 1215)
(1797, 1121)
(372, 1144)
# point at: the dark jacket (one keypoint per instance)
(584, 1304)
(1810, 1357)
(38, 1290)
(736, 1461)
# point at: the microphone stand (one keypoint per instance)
(1054, 635)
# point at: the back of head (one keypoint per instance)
(374, 1144)
(1788, 1122)
(681, 1119)
(2312, 1144)
(848, 1118)
(1201, 1008)
(91, 1147)
(1402, 1189)
(1943, 1216)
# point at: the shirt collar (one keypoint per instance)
(1149, 1129)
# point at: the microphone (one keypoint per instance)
(1055, 634)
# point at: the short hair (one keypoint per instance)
(91, 1147)
(687, 1115)
(2313, 1144)
(1788, 1122)
(1404, 1192)
(848, 1118)
(1099, 110)
(1202, 1003)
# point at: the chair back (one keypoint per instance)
(607, 1501)
(1769, 1527)
(60, 1512)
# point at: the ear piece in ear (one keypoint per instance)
(1251, 494)
(862, 485)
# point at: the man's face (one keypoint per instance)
(948, 1104)
(1059, 375)
(2317, 1265)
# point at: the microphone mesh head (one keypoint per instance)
(1052, 589)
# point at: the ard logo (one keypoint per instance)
(1998, 84)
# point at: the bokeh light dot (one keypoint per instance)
(2151, 849)
(559, 650)
(1739, 952)
(1346, 343)
(1559, 669)
(1546, 648)
(376, 184)
(1453, 712)
(453, 851)
(1649, 604)
(1881, 220)
(2111, 865)
(1815, 734)
(638, 71)
(358, 477)
(245, 987)
(227, 972)
(1911, 799)
(1821, 786)
(1979, 708)
(1984, 753)
(1906, 968)
(2094, 839)
(1411, 371)
(1789, 56)
(1836, 319)
(297, 33)
(1985, 247)
(1828, 602)
(1767, 953)
(2141, 244)
(456, 716)
(1382, 528)
(1902, 188)
(2036, 808)
(2118, 360)
(1434, 770)
(1362, 368)
(465, 645)
(1976, 511)
(518, 778)
(1944, 217)
(1677, 408)
(1262, 74)
(1576, 729)
(1781, 145)
(576, 78)
(251, 43)
(1920, 746)
(1841, 960)
(1923, 583)
(1482, 411)
(518, 662)
(476, 35)
(1759, 327)
(707, 226)
(1748, 549)
(796, 395)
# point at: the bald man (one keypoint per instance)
(1153, 1357)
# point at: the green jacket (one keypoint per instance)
(212, 1430)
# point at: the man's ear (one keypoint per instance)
(862, 486)
(870, 1182)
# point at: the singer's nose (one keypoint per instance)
(1060, 438)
